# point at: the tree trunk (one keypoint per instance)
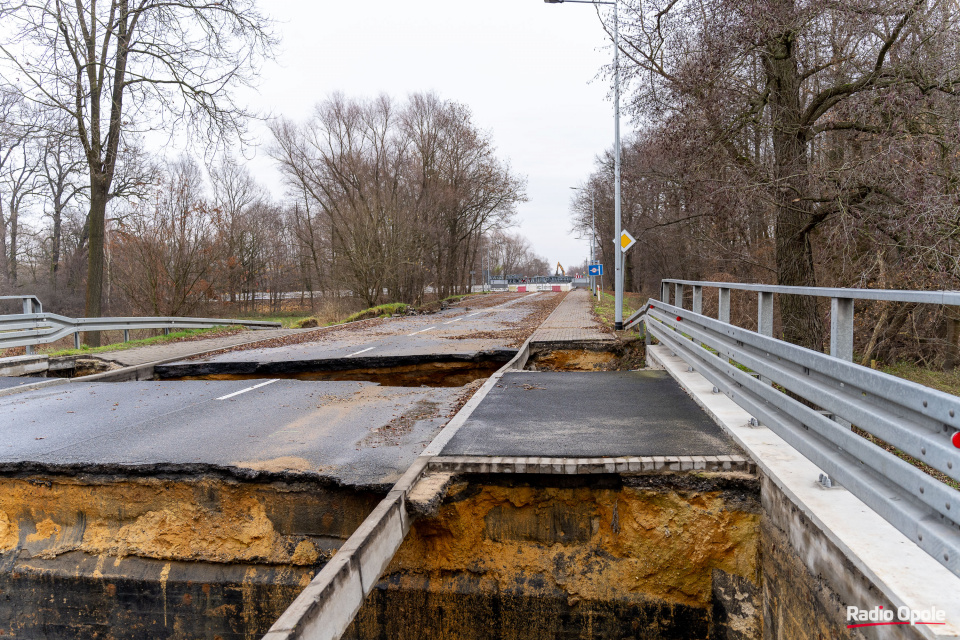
(794, 253)
(3, 243)
(952, 354)
(14, 228)
(55, 249)
(97, 225)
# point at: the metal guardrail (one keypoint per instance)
(919, 421)
(31, 304)
(841, 304)
(31, 329)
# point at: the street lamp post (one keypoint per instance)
(617, 252)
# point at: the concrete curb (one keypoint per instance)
(580, 466)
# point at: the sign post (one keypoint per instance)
(597, 270)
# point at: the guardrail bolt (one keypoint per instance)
(826, 481)
(754, 422)
(716, 390)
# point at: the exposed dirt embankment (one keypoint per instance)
(608, 355)
(634, 558)
(204, 519)
(163, 557)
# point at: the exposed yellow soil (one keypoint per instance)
(574, 360)
(46, 528)
(9, 533)
(206, 520)
(593, 544)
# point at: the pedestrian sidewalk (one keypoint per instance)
(572, 321)
(154, 353)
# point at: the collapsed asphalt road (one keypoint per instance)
(354, 431)
(489, 322)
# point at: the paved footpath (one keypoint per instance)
(572, 321)
(168, 350)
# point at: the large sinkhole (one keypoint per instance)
(525, 557)
(450, 370)
(115, 554)
(673, 555)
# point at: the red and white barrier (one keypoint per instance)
(527, 288)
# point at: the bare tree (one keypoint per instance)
(18, 174)
(123, 66)
(164, 250)
(234, 193)
(406, 191)
(804, 104)
(63, 183)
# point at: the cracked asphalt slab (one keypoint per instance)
(588, 414)
(358, 433)
(464, 330)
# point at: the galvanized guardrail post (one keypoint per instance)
(28, 308)
(697, 299)
(723, 313)
(665, 292)
(841, 328)
(765, 313)
(678, 291)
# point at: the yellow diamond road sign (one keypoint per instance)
(626, 241)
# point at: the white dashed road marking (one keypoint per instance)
(355, 353)
(421, 331)
(256, 386)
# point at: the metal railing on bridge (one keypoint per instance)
(34, 327)
(777, 382)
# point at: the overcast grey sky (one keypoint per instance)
(528, 70)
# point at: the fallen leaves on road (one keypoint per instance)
(317, 335)
(542, 306)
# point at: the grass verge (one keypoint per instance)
(946, 381)
(606, 307)
(460, 297)
(380, 311)
(176, 336)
